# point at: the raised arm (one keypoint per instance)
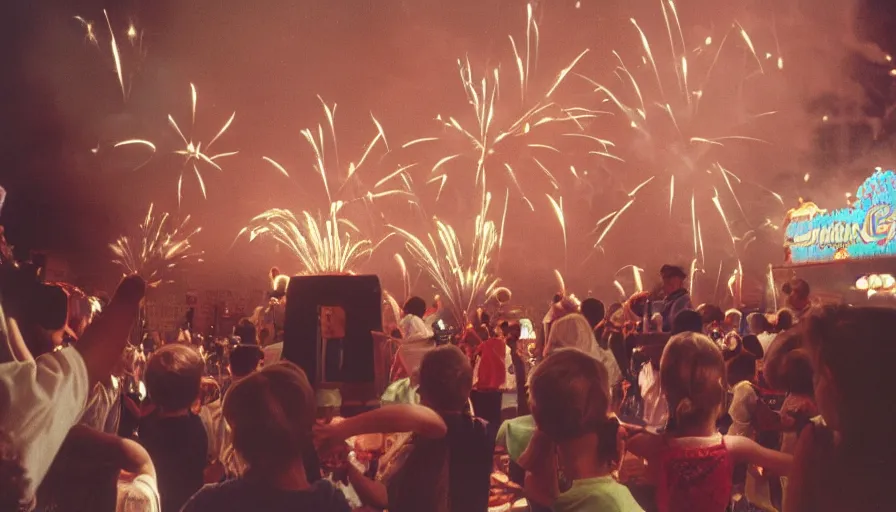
(746, 450)
(394, 418)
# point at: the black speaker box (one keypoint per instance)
(328, 324)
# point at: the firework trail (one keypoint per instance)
(461, 280)
(510, 128)
(335, 181)
(321, 246)
(682, 140)
(193, 152)
(134, 37)
(331, 249)
(160, 248)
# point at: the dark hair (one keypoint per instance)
(797, 369)
(796, 286)
(751, 344)
(740, 368)
(244, 359)
(712, 313)
(669, 271)
(784, 321)
(571, 391)
(593, 310)
(415, 306)
(271, 413)
(173, 375)
(687, 320)
(446, 378)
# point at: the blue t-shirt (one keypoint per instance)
(243, 495)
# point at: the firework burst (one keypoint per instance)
(160, 248)
(134, 37)
(512, 131)
(320, 250)
(193, 151)
(461, 280)
(683, 140)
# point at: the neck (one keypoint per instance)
(579, 458)
(700, 430)
(292, 478)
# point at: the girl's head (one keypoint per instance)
(852, 351)
(692, 374)
(271, 413)
(446, 379)
(797, 373)
(571, 331)
(570, 395)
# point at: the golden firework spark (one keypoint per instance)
(135, 37)
(327, 168)
(193, 152)
(504, 128)
(320, 246)
(661, 101)
(160, 248)
(462, 281)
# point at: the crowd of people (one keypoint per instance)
(651, 404)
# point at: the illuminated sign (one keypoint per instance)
(867, 229)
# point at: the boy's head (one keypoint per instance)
(244, 360)
(173, 375)
(446, 379)
(415, 306)
(271, 413)
(570, 395)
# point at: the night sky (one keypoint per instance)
(395, 58)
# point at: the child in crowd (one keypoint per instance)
(570, 400)
(271, 413)
(799, 405)
(846, 461)
(693, 462)
(445, 464)
(175, 437)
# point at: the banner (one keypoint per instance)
(865, 230)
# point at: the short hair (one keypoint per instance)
(271, 413)
(446, 378)
(735, 313)
(784, 320)
(571, 394)
(415, 306)
(692, 374)
(593, 310)
(244, 359)
(687, 320)
(797, 370)
(173, 375)
(712, 313)
(797, 286)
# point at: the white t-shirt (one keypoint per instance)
(40, 401)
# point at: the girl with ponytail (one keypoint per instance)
(692, 461)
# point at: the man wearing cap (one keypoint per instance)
(677, 297)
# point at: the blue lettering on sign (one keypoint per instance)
(867, 229)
